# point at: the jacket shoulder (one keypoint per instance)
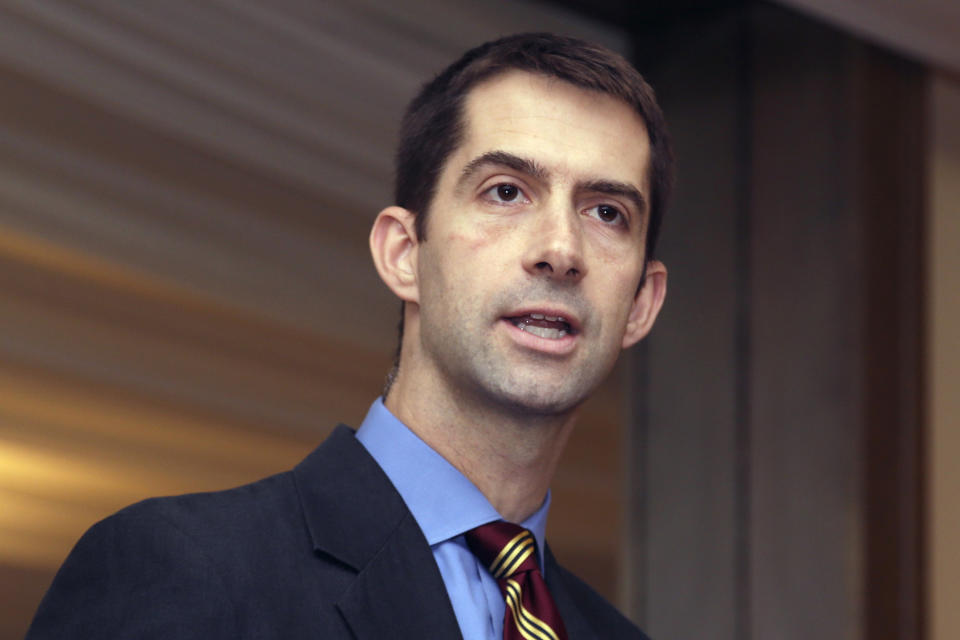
(224, 564)
(223, 515)
(137, 573)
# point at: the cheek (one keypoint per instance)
(617, 267)
(465, 242)
(619, 288)
(479, 245)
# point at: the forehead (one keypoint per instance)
(575, 133)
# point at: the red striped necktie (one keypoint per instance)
(510, 553)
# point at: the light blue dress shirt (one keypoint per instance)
(445, 504)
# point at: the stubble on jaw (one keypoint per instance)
(479, 370)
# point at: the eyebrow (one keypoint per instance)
(538, 171)
(504, 159)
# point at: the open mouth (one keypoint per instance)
(543, 326)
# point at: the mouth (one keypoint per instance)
(543, 325)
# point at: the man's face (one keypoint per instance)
(535, 251)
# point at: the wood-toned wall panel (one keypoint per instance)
(685, 490)
(942, 568)
(179, 350)
(587, 508)
(156, 217)
(91, 55)
(807, 522)
(779, 412)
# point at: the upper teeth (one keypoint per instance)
(540, 316)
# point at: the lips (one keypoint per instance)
(543, 325)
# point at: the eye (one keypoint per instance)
(504, 193)
(607, 213)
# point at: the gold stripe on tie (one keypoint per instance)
(507, 551)
(523, 552)
(530, 626)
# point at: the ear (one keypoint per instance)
(646, 304)
(393, 244)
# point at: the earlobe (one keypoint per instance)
(393, 245)
(646, 304)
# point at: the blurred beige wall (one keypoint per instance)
(943, 349)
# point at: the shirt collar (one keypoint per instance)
(443, 501)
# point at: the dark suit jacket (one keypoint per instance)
(327, 550)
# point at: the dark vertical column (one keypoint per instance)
(689, 529)
(777, 401)
(742, 340)
(806, 528)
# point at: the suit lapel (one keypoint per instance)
(400, 593)
(355, 515)
(578, 628)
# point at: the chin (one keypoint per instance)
(542, 400)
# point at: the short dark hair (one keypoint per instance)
(433, 124)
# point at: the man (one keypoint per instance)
(532, 176)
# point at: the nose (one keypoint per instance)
(555, 247)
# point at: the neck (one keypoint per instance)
(508, 453)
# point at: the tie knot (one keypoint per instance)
(506, 548)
